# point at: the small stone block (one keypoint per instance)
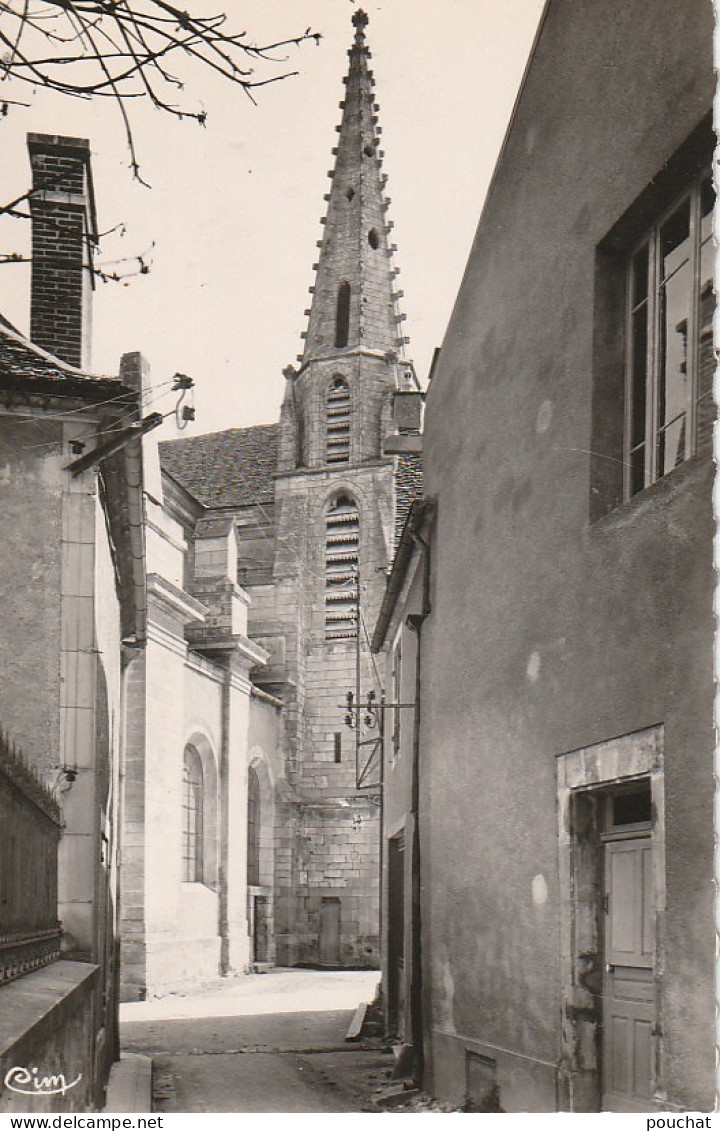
(395, 1096)
(358, 1020)
(130, 1085)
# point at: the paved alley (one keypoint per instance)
(270, 1042)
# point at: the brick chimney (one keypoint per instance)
(64, 231)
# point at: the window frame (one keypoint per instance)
(253, 828)
(654, 349)
(193, 839)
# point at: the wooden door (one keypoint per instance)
(396, 932)
(260, 929)
(329, 942)
(629, 983)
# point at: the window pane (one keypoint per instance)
(638, 367)
(675, 240)
(639, 374)
(640, 276)
(675, 300)
(637, 470)
(707, 297)
(707, 201)
(671, 445)
(192, 823)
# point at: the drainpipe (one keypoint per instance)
(416, 1001)
(222, 826)
(130, 648)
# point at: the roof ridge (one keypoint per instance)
(20, 339)
(220, 432)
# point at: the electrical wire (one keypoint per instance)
(372, 654)
(118, 426)
(33, 418)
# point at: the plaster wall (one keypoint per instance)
(103, 851)
(165, 544)
(30, 567)
(84, 706)
(182, 929)
(61, 632)
(398, 818)
(550, 632)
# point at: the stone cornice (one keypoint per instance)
(202, 666)
(335, 472)
(161, 636)
(176, 599)
(337, 356)
(230, 644)
(266, 697)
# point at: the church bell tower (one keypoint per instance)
(335, 515)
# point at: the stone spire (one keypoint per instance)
(354, 305)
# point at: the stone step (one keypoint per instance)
(130, 1085)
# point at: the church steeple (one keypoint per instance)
(354, 304)
(338, 404)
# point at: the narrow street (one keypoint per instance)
(270, 1042)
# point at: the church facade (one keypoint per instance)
(292, 525)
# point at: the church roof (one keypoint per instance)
(408, 487)
(225, 469)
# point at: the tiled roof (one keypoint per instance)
(408, 487)
(26, 365)
(225, 469)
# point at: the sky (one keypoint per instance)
(233, 215)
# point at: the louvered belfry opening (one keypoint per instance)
(342, 543)
(337, 448)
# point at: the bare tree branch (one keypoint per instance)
(123, 50)
(113, 271)
(127, 49)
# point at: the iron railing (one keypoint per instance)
(30, 828)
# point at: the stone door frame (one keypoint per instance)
(582, 777)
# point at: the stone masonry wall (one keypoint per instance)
(332, 848)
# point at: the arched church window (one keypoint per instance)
(342, 546)
(193, 806)
(342, 316)
(253, 829)
(337, 436)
